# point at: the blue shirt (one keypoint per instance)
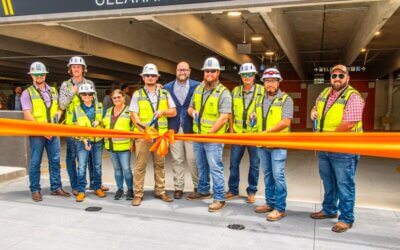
(89, 111)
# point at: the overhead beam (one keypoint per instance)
(282, 32)
(375, 18)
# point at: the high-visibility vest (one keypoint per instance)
(241, 114)
(69, 111)
(328, 121)
(146, 110)
(84, 121)
(273, 115)
(40, 111)
(208, 113)
(123, 122)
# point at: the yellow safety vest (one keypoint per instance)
(273, 115)
(330, 120)
(40, 111)
(240, 114)
(208, 113)
(84, 121)
(123, 122)
(146, 110)
(69, 112)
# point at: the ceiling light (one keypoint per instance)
(256, 38)
(234, 13)
(363, 50)
(269, 53)
(377, 33)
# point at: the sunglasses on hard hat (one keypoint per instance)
(154, 76)
(87, 94)
(39, 75)
(247, 75)
(340, 76)
(212, 71)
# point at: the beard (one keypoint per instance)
(182, 78)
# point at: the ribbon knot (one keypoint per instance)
(162, 141)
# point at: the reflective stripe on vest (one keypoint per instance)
(241, 115)
(273, 116)
(208, 113)
(330, 120)
(84, 121)
(146, 110)
(69, 111)
(40, 111)
(123, 122)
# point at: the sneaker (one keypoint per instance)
(251, 198)
(341, 227)
(263, 209)
(230, 196)
(100, 193)
(198, 196)
(216, 206)
(80, 197)
(275, 215)
(164, 197)
(137, 200)
(129, 195)
(119, 194)
(322, 215)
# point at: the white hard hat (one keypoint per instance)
(38, 68)
(211, 63)
(76, 60)
(271, 73)
(86, 88)
(247, 68)
(149, 69)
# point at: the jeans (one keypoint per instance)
(209, 160)
(234, 177)
(37, 145)
(273, 165)
(337, 172)
(122, 169)
(83, 157)
(71, 162)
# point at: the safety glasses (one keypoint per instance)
(116, 97)
(87, 94)
(39, 75)
(150, 76)
(247, 75)
(340, 76)
(212, 71)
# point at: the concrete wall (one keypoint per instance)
(381, 95)
(14, 150)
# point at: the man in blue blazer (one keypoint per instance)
(181, 90)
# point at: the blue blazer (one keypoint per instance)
(181, 108)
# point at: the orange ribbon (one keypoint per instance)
(162, 142)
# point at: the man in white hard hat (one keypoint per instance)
(274, 114)
(244, 101)
(39, 103)
(150, 106)
(211, 106)
(181, 90)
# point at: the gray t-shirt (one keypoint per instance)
(153, 98)
(224, 103)
(287, 109)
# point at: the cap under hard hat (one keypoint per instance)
(211, 63)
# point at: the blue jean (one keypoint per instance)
(209, 160)
(36, 146)
(337, 172)
(122, 169)
(71, 162)
(83, 157)
(273, 165)
(234, 177)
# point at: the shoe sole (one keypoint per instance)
(325, 217)
(164, 200)
(200, 198)
(263, 212)
(276, 219)
(250, 202)
(341, 230)
(216, 210)
(232, 197)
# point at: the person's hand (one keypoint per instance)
(95, 124)
(88, 147)
(159, 114)
(159, 86)
(48, 137)
(74, 89)
(132, 147)
(314, 114)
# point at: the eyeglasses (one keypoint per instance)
(270, 81)
(212, 71)
(247, 75)
(154, 76)
(87, 94)
(341, 76)
(182, 70)
(39, 75)
(116, 97)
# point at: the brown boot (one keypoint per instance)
(36, 196)
(230, 196)
(178, 194)
(263, 209)
(137, 200)
(164, 197)
(251, 198)
(104, 188)
(75, 192)
(275, 215)
(198, 196)
(341, 227)
(60, 192)
(322, 215)
(216, 206)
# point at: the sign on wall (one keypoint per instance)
(37, 7)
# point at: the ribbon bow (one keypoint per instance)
(162, 141)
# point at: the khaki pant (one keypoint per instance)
(179, 151)
(142, 157)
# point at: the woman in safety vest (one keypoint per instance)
(88, 114)
(118, 117)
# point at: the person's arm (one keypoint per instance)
(280, 126)
(225, 109)
(171, 112)
(223, 118)
(28, 115)
(352, 113)
(65, 96)
(287, 116)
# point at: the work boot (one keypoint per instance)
(104, 188)
(80, 197)
(341, 227)
(36, 196)
(263, 209)
(119, 194)
(198, 196)
(178, 194)
(229, 196)
(322, 215)
(275, 215)
(216, 206)
(137, 200)
(60, 192)
(251, 198)
(75, 192)
(100, 193)
(129, 195)
(164, 197)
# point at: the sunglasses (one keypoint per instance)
(150, 76)
(39, 75)
(87, 94)
(340, 76)
(247, 75)
(212, 71)
(116, 97)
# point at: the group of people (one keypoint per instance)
(188, 106)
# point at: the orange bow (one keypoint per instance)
(162, 141)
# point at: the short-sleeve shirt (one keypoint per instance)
(224, 102)
(26, 101)
(153, 98)
(287, 109)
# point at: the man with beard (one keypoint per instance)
(181, 90)
(210, 107)
(338, 108)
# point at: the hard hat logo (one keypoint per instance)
(247, 68)
(150, 69)
(211, 63)
(76, 60)
(271, 73)
(86, 88)
(38, 68)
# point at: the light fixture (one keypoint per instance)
(377, 33)
(269, 53)
(234, 13)
(256, 38)
(363, 50)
